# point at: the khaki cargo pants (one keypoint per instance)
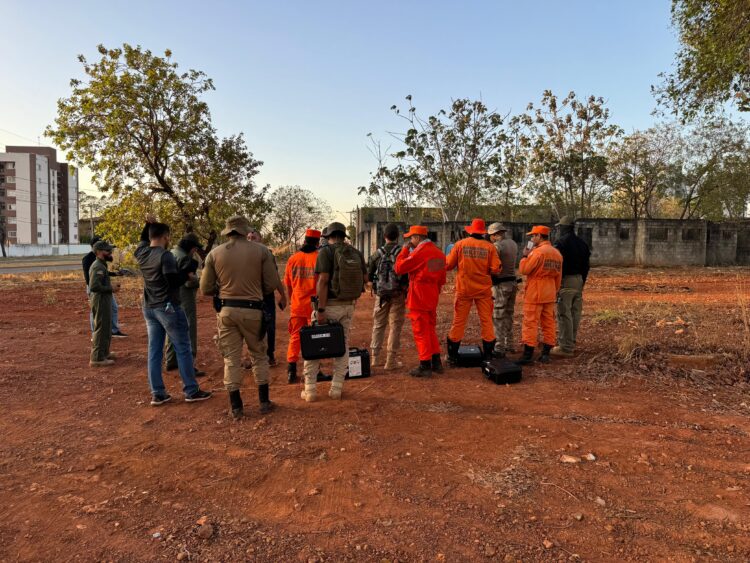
(504, 295)
(237, 325)
(388, 313)
(569, 308)
(341, 314)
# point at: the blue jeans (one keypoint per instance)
(162, 321)
(115, 309)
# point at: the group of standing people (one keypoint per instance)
(322, 282)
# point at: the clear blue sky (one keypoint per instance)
(307, 80)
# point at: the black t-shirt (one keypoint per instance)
(156, 264)
(89, 259)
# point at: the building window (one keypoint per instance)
(38, 234)
(10, 179)
(10, 165)
(727, 235)
(624, 233)
(39, 221)
(10, 207)
(12, 234)
(658, 234)
(691, 234)
(603, 231)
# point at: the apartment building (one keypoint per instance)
(38, 197)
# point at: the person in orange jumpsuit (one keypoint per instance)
(300, 280)
(425, 264)
(477, 261)
(542, 266)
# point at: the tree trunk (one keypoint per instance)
(211, 240)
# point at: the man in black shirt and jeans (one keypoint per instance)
(164, 316)
(575, 253)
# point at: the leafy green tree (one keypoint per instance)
(713, 63)
(455, 157)
(140, 125)
(699, 163)
(638, 170)
(296, 209)
(569, 140)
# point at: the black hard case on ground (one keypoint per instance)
(322, 341)
(470, 356)
(359, 363)
(502, 371)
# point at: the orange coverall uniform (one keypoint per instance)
(543, 271)
(426, 268)
(300, 279)
(477, 261)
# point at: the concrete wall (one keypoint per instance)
(616, 242)
(25, 250)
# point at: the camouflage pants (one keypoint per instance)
(504, 295)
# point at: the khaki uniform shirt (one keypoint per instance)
(241, 269)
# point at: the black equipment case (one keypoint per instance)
(501, 371)
(359, 363)
(470, 356)
(322, 341)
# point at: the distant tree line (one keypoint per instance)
(565, 155)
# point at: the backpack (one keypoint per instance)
(347, 278)
(388, 282)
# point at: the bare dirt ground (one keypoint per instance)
(449, 469)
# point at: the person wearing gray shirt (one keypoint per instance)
(504, 289)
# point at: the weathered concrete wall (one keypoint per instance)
(615, 242)
(670, 242)
(721, 244)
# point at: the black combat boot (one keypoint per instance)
(453, 352)
(488, 347)
(235, 400)
(291, 372)
(527, 357)
(437, 364)
(544, 358)
(423, 370)
(266, 405)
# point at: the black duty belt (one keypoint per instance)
(505, 279)
(242, 303)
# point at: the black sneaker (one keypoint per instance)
(158, 400)
(199, 395)
(119, 334)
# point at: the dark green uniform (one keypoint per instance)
(100, 299)
(188, 301)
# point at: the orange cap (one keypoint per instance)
(539, 230)
(312, 233)
(416, 230)
(477, 227)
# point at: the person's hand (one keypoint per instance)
(526, 252)
(150, 218)
(282, 302)
(322, 319)
(116, 287)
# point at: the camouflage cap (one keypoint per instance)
(496, 228)
(335, 227)
(237, 224)
(103, 245)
